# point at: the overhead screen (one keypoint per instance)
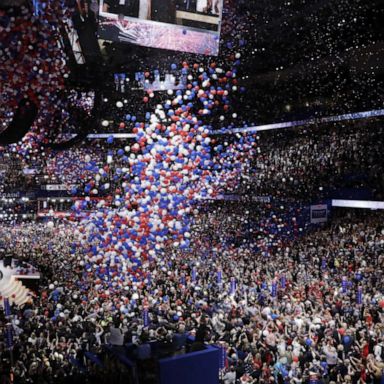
(180, 25)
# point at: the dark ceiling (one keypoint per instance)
(302, 58)
(327, 54)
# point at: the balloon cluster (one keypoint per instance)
(33, 65)
(155, 181)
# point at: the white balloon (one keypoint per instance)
(135, 296)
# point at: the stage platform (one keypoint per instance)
(14, 277)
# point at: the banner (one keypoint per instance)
(29, 171)
(7, 307)
(57, 187)
(223, 357)
(233, 197)
(10, 195)
(233, 286)
(359, 296)
(58, 215)
(319, 213)
(172, 81)
(9, 336)
(146, 317)
(363, 204)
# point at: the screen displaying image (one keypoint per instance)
(181, 25)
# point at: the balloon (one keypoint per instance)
(346, 339)
(135, 296)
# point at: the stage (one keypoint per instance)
(14, 281)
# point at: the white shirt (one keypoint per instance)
(116, 336)
(230, 378)
(331, 356)
(377, 351)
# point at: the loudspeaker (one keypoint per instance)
(7, 261)
(22, 120)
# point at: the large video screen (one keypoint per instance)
(180, 25)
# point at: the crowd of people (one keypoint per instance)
(299, 165)
(305, 165)
(316, 163)
(156, 267)
(293, 314)
(12, 177)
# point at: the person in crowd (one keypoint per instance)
(311, 327)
